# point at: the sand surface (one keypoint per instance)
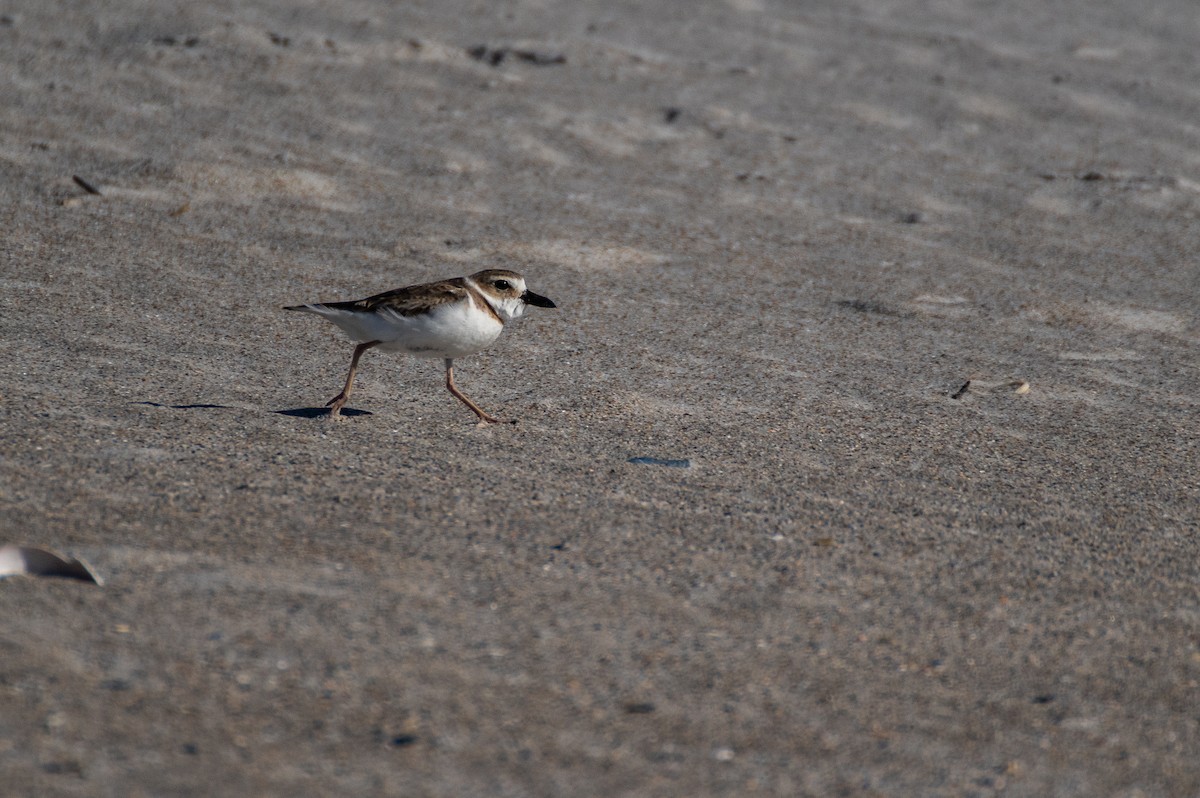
(782, 237)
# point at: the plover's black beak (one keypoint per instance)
(531, 298)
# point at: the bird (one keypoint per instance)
(447, 319)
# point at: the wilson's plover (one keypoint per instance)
(447, 319)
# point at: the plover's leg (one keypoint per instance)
(484, 418)
(336, 404)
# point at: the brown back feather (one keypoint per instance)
(410, 300)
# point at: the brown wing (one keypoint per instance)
(409, 301)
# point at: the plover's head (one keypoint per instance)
(506, 292)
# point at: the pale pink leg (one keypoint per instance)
(336, 404)
(484, 418)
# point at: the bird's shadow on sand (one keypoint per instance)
(316, 412)
(295, 412)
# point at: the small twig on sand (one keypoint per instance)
(85, 185)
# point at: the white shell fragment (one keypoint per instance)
(985, 386)
(32, 561)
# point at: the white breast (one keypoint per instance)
(456, 329)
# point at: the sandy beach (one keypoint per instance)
(860, 456)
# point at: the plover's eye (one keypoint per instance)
(502, 285)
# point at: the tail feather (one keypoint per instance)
(357, 325)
